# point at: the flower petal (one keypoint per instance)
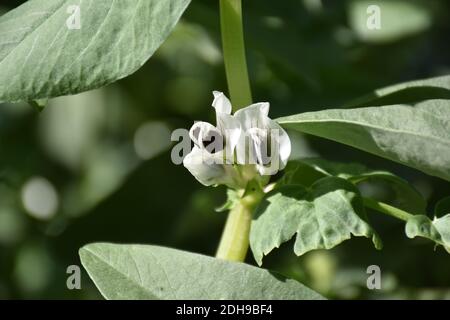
(283, 141)
(203, 168)
(268, 147)
(202, 132)
(267, 157)
(267, 170)
(260, 145)
(253, 116)
(209, 169)
(221, 103)
(230, 127)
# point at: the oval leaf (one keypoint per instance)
(417, 136)
(406, 196)
(152, 272)
(58, 47)
(322, 216)
(407, 92)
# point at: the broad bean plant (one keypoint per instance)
(50, 48)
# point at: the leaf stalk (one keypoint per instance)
(387, 209)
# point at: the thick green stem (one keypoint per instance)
(234, 53)
(235, 238)
(387, 209)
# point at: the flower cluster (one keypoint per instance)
(241, 147)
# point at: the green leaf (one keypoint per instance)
(407, 92)
(232, 198)
(300, 172)
(330, 168)
(417, 136)
(322, 216)
(38, 105)
(406, 196)
(437, 230)
(152, 272)
(398, 18)
(442, 207)
(40, 57)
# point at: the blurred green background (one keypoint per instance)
(96, 166)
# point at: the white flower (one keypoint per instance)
(239, 147)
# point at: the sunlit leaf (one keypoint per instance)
(312, 169)
(322, 216)
(151, 272)
(42, 55)
(407, 92)
(417, 136)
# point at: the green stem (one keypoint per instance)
(387, 209)
(234, 53)
(235, 238)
